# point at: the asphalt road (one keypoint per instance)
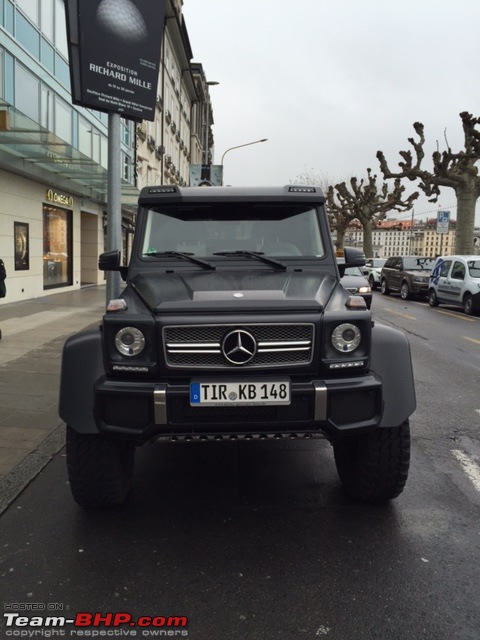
(257, 540)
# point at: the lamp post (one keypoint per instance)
(238, 146)
(212, 83)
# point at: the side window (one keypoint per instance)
(445, 269)
(398, 264)
(458, 271)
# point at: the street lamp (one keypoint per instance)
(247, 144)
(211, 83)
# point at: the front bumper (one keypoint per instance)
(144, 411)
(419, 288)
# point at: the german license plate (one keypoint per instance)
(239, 393)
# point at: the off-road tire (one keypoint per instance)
(405, 291)
(432, 298)
(373, 467)
(384, 288)
(100, 469)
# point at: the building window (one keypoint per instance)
(2, 90)
(30, 9)
(27, 35)
(47, 56)
(9, 20)
(63, 120)
(61, 28)
(85, 137)
(57, 247)
(46, 8)
(26, 93)
(46, 108)
(62, 72)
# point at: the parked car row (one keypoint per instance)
(450, 280)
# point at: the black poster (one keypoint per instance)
(114, 48)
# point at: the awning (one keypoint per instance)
(32, 151)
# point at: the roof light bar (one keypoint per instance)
(155, 190)
(302, 190)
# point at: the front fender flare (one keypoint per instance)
(391, 360)
(82, 365)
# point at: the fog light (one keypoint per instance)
(129, 341)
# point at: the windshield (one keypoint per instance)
(206, 230)
(354, 271)
(418, 264)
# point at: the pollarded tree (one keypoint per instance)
(338, 220)
(368, 203)
(454, 170)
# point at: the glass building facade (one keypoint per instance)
(53, 155)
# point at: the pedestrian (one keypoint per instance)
(3, 288)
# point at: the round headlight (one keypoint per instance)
(129, 341)
(346, 337)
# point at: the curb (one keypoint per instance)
(25, 471)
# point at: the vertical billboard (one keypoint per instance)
(114, 49)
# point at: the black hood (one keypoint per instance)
(234, 290)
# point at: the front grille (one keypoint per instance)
(201, 346)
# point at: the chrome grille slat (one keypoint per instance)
(200, 346)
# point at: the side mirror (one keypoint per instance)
(354, 257)
(110, 261)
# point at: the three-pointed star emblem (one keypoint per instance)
(239, 346)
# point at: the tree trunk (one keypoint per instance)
(467, 197)
(367, 239)
(339, 242)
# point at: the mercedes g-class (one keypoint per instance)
(234, 324)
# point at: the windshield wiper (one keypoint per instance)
(180, 254)
(253, 254)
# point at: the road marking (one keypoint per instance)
(455, 315)
(404, 315)
(471, 468)
(471, 339)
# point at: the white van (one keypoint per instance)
(455, 280)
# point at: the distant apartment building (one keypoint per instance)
(401, 238)
(54, 155)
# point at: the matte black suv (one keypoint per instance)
(233, 324)
(408, 276)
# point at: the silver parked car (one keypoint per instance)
(455, 280)
(356, 283)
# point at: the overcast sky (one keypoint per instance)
(329, 82)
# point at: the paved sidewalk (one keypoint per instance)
(33, 334)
